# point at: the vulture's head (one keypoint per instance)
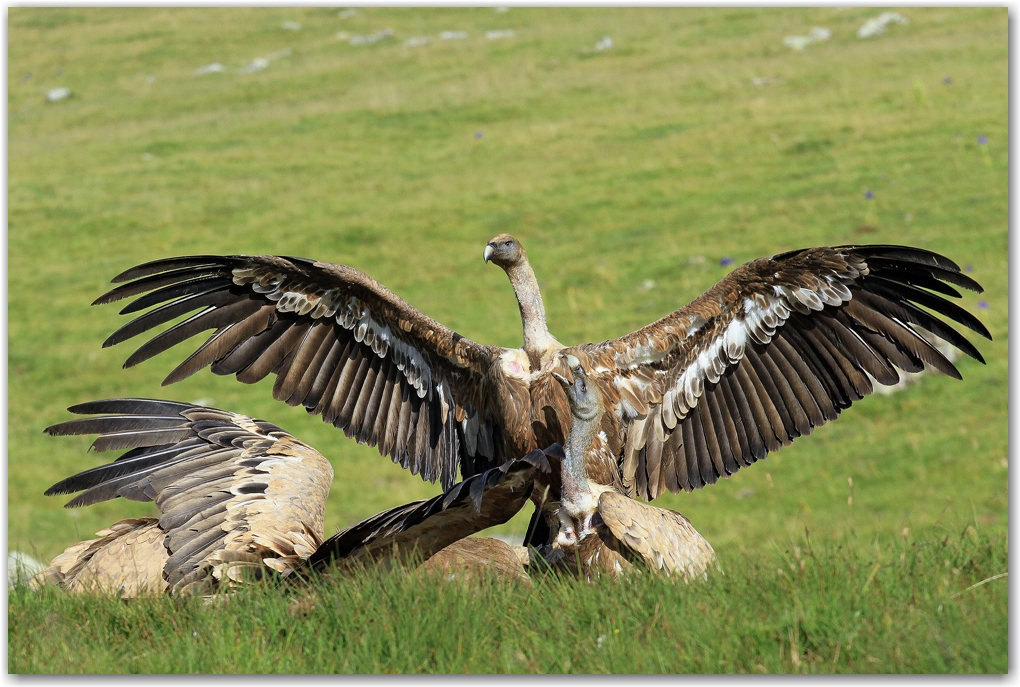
(504, 250)
(585, 399)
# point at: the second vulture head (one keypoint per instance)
(584, 397)
(504, 250)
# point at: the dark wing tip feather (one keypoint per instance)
(166, 264)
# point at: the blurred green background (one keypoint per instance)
(628, 172)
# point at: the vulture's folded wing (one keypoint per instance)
(776, 348)
(233, 493)
(422, 528)
(340, 343)
(665, 539)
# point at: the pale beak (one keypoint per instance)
(561, 379)
(487, 255)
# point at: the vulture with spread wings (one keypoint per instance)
(240, 499)
(776, 348)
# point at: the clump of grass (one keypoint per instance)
(914, 603)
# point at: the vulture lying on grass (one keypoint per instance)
(240, 499)
(602, 530)
(776, 348)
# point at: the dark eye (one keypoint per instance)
(507, 244)
(584, 389)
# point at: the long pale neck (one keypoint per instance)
(536, 333)
(579, 441)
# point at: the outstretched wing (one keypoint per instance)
(776, 348)
(341, 345)
(423, 528)
(665, 539)
(232, 492)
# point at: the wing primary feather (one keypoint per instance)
(764, 374)
(710, 433)
(803, 380)
(169, 264)
(766, 416)
(905, 293)
(783, 375)
(694, 480)
(320, 396)
(180, 288)
(220, 344)
(322, 358)
(215, 297)
(286, 385)
(247, 351)
(274, 354)
(725, 433)
(155, 281)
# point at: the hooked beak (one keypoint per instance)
(487, 255)
(564, 365)
(564, 382)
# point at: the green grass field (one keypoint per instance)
(628, 174)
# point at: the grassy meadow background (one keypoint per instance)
(628, 173)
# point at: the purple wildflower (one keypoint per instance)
(947, 80)
(868, 194)
(726, 261)
(968, 268)
(478, 134)
(983, 305)
(982, 140)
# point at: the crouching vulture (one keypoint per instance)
(240, 499)
(779, 346)
(602, 531)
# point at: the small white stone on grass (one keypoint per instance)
(647, 285)
(500, 10)
(417, 42)
(453, 35)
(347, 14)
(500, 33)
(816, 34)
(148, 156)
(57, 94)
(21, 567)
(372, 38)
(256, 65)
(291, 25)
(605, 44)
(150, 79)
(876, 25)
(214, 68)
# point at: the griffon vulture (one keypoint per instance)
(774, 349)
(602, 530)
(240, 499)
